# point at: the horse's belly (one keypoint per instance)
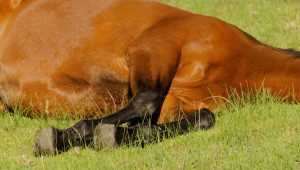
(57, 62)
(82, 87)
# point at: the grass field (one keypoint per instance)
(262, 133)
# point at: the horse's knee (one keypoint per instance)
(148, 104)
(148, 101)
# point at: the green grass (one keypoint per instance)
(261, 133)
(275, 22)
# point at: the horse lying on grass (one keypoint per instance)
(166, 60)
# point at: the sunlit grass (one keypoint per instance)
(261, 133)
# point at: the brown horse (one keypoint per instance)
(91, 53)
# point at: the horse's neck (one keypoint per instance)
(276, 69)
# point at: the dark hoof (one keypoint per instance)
(105, 137)
(44, 142)
(206, 121)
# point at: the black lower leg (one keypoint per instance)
(146, 106)
(203, 119)
(53, 140)
(143, 134)
(81, 134)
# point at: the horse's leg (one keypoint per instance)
(152, 68)
(145, 106)
(111, 136)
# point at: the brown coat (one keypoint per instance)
(92, 54)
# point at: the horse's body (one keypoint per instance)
(77, 54)
(73, 53)
(94, 53)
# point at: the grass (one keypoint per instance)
(261, 133)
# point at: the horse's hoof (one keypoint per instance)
(44, 142)
(105, 137)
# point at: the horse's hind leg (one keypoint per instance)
(108, 136)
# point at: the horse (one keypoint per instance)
(163, 61)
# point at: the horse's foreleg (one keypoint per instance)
(53, 140)
(145, 107)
